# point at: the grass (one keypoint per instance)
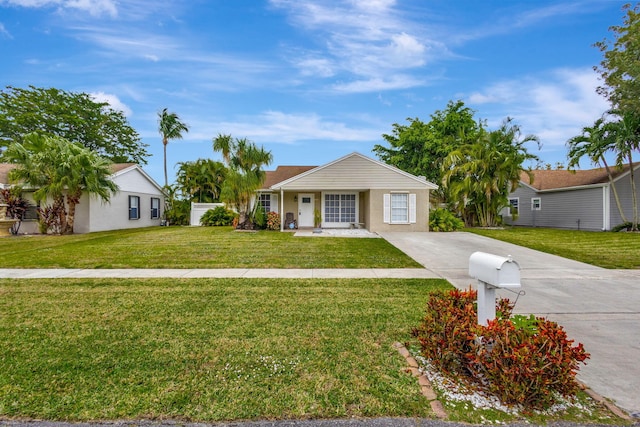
(603, 249)
(198, 247)
(208, 350)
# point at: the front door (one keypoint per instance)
(306, 204)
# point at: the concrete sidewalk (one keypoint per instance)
(597, 307)
(293, 273)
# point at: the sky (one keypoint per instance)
(314, 80)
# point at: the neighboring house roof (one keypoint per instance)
(5, 168)
(545, 180)
(117, 169)
(352, 171)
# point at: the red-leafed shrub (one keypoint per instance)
(273, 221)
(525, 361)
(447, 331)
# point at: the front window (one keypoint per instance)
(536, 204)
(399, 208)
(340, 208)
(265, 201)
(155, 208)
(134, 207)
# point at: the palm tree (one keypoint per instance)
(245, 161)
(170, 127)
(202, 180)
(59, 169)
(594, 142)
(480, 175)
(625, 138)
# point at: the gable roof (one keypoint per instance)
(117, 169)
(283, 173)
(559, 179)
(343, 174)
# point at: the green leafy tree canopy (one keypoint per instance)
(620, 66)
(419, 148)
(75, 117)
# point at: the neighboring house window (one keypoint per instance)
(536, 204)
(399, 208)
(514, 206)
(265, 201)
(155, 208)
(339, 208)
(31, 212)
(134, 207)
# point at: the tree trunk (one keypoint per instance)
(59, 207)
(72, 201)
(615, 192)
(634, 196)
(164, 144)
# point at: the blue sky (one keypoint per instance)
(313, 80)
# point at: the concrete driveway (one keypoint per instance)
(597, 307)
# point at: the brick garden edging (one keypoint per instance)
(425, 385)
(427, 390)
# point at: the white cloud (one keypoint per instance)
(113, 101)
(378, 84)
(555, 107)
(321, 67)
(366, 41)
(4, 32)
(288, 128)
(93, 7)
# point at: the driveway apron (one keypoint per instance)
(597, 307)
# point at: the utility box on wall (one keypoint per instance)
(492, 272)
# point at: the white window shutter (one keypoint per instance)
(275, 207)
(387, 208)
(412, 208)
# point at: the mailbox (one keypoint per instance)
(492, 271)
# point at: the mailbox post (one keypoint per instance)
(492, 272)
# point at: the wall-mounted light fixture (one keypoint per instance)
(295, 198)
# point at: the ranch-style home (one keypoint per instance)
(138, 203)
(581, 199)
(353, 191)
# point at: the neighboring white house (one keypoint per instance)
(581, 199)
(352, 191)
(139, 202)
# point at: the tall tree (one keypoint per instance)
(620, 67)
(419, 148)
(479, 176)
(201, 180)
(60, 170)
(245, 161)
(624, 134)
(170, 127)
(594, 142)
(75, 117)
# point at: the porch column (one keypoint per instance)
(281, 209)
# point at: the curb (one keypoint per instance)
(607, 403)
(425, 385)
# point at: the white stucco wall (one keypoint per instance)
(199, 209)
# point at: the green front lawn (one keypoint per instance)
(208, 350)
(604, 249)
(198, 247)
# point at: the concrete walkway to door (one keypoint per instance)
(597, 307)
